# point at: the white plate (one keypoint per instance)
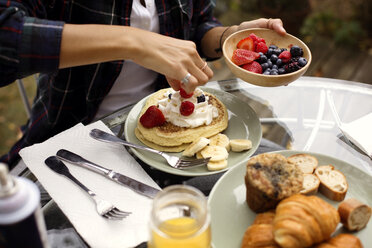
(243, 124)
(230, 214)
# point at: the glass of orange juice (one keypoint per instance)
(180, 218)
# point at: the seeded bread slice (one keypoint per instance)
(310, 184)
(333, 182)
(307, 163)
(354, 214)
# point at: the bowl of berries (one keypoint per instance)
(263, 57)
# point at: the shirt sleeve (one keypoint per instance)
(28, 44)
(206, 21)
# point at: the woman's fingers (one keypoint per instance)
(277, 25)
(274, 24)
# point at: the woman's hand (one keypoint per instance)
(173, 58)
(274, 24)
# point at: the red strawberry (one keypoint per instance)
(184, 94)
(253, 67)
(261, 47)
(285, 56)
(246, 43)
(187, 108)
(152, 117)
(242, 56)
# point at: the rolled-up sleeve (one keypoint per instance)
(28, 45)
(206, 20)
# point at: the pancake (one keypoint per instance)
(169, 135)
(179, 148)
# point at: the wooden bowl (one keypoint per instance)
(271, 38)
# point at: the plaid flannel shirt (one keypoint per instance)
(30, 37)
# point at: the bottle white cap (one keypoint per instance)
(8, 186)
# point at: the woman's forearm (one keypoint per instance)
(89, 44)
(213, 40)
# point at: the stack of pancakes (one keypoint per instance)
(171, 138)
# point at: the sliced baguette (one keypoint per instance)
(307, 163)
(310, 184)
(333, 182)
(354, 214)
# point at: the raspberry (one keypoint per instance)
(285, 56)
(184, 94)
(152, 117)
(261, 47)
(242, 56)
(254, 37)
(187, 108)
(253, 67)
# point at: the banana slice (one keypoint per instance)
(217, 165)
(198, 155)
(195, 146)
(216, 153)
(220, 140)
(238, 145)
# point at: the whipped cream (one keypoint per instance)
(203, 112)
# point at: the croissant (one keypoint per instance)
(343, 240)
(302, 221)
(260, 233)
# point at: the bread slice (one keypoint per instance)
(310, 184)
(333, 182)
(306, 162)
(354, 214)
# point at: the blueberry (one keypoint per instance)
(302, 62)
(269, 52)
(170, 96)
(270, 63)
(274, 58)
(264, 66)
(260, 53)
(263, 59)
(277, 51)
(267, 72)
(273, 47)
(279, 62)
(296, 51)
(200, 98)
(275, 67)
(281, 70)
(273, 72)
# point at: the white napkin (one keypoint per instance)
(360, 133)
(76, 204)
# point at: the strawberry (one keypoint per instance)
(246, 43)
(285, 56)
(184, 94)
(242, 56)
(152, 117)
(187, 108)
(261, 47)
(253, 67)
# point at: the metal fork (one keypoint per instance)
(103, 207)
(173, 161)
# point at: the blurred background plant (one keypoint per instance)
(346, 23)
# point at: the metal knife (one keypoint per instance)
(133, 184)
